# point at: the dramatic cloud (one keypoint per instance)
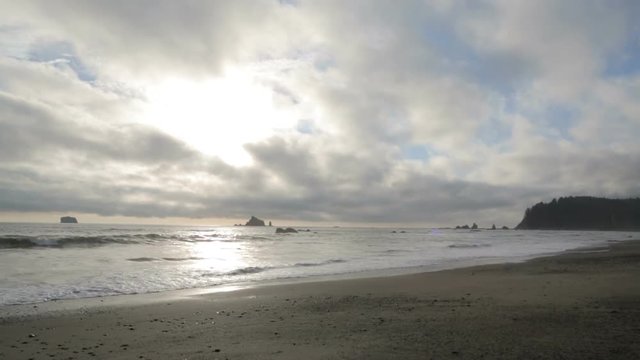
(419, 112)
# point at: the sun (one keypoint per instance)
(217, 115)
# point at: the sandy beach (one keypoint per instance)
(583, 304)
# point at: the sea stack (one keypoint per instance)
(68, 220)
(254, 221)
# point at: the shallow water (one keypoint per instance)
(42, 262)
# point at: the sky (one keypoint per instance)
(416, 113)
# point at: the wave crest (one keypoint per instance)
(142, 259)
(26, 242)
(182, 259)
(145, 259)
(247, 270)
(331, 261)
(468, 246)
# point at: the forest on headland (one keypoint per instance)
(583, 213)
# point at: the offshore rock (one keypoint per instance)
(254, 221)
(68, 220)
(286, 230)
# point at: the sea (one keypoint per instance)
(47, 262)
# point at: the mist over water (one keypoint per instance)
(42, 262)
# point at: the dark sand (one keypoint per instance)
(579, 305)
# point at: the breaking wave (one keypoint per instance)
(258, 269)
(182, 259)
(468, 246)
(248, 270)
(145, 259)
(331, 261)
(61, 241)
(26, 242)
(142, 259)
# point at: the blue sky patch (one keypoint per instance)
(494, 132)
(556, 121)
(61, 53)
(305, 126)
(500, 72)
(416, 152)
(625, 63)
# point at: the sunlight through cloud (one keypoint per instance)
(217, 116)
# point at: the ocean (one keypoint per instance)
(44, 262)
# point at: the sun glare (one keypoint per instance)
(217, 115)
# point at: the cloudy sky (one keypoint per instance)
(428, 112)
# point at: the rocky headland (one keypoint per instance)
(583, 213)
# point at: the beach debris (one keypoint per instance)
(32, 335)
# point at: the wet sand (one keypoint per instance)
(578, 305)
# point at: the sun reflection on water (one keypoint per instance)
(218, 253)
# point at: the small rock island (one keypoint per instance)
(466, 227)
(68, 220)
(254, 221)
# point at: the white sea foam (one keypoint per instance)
(45, 262)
